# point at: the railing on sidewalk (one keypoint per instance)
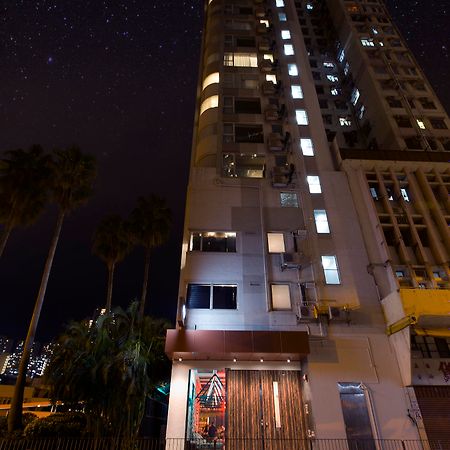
(229, 444)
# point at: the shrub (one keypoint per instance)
(70, 424)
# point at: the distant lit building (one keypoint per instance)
(6, 344)
(39, 359)
(314, 296)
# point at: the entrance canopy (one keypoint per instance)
(242, 345)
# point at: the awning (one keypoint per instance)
(242, 345)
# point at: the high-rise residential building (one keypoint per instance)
(314, 298)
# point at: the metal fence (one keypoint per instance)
(229, 444)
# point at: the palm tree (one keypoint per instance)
(150, 224)
(24, 178)
(111, 244)
(111, 366)
(73, 174)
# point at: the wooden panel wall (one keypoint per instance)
(251, 410)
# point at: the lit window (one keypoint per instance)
(334, 91)
(272, 78)
(330, 270)
(288, 200)
(309, 7)
(275, 242)
(210, 102)
(367, 42)
(314, 184)
(421, 124)
(279, 3)
(242, 165)
(374, 193)
(307, 147)
(281, 297)
(332, 78)
(264, 22)
(345, 122)
(285, 34)
(355, 96)
(282, 17)
(268, 56)
(346, 68)
(329, 65)
(341, 55)
(211, 79)
(405, 195)
(362, 110)
(240, 59)
(301, 116)
(288, 49)
(375, 31)
(213, 242)
(400, 274)
(293, 70)
(296, 91)
(321, 219)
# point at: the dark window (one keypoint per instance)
(245, 41)
(442, 347)
(438, 124)
(316, 75)
(427, 103)
(249, 133)
(323, 104)
(432, 143)
(313, 63)
(327, 118)
(247, 106)
(340, 104)
(413, 143)
(245, 10)
(394, 102)
(403, 122)
(224, 297)
(214, 242)
(198, 296)
(319, 89)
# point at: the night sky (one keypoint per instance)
(118, 79)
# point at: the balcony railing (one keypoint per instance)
(229, 444)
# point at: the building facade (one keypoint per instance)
(314, 292)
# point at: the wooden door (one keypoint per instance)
(264, 410)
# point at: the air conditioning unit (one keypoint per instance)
(260, 12)
(275, 142)
(307, 312)
(290, 261)
(271, 113)
(264, 45)
(339, 313)
(269, 88)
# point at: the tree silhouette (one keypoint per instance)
(24, 185)
(150, 224)
(73, 174)
(111, 244)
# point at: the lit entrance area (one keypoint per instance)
(206, 408)
(245, 409)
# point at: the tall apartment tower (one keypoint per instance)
(314, 297)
